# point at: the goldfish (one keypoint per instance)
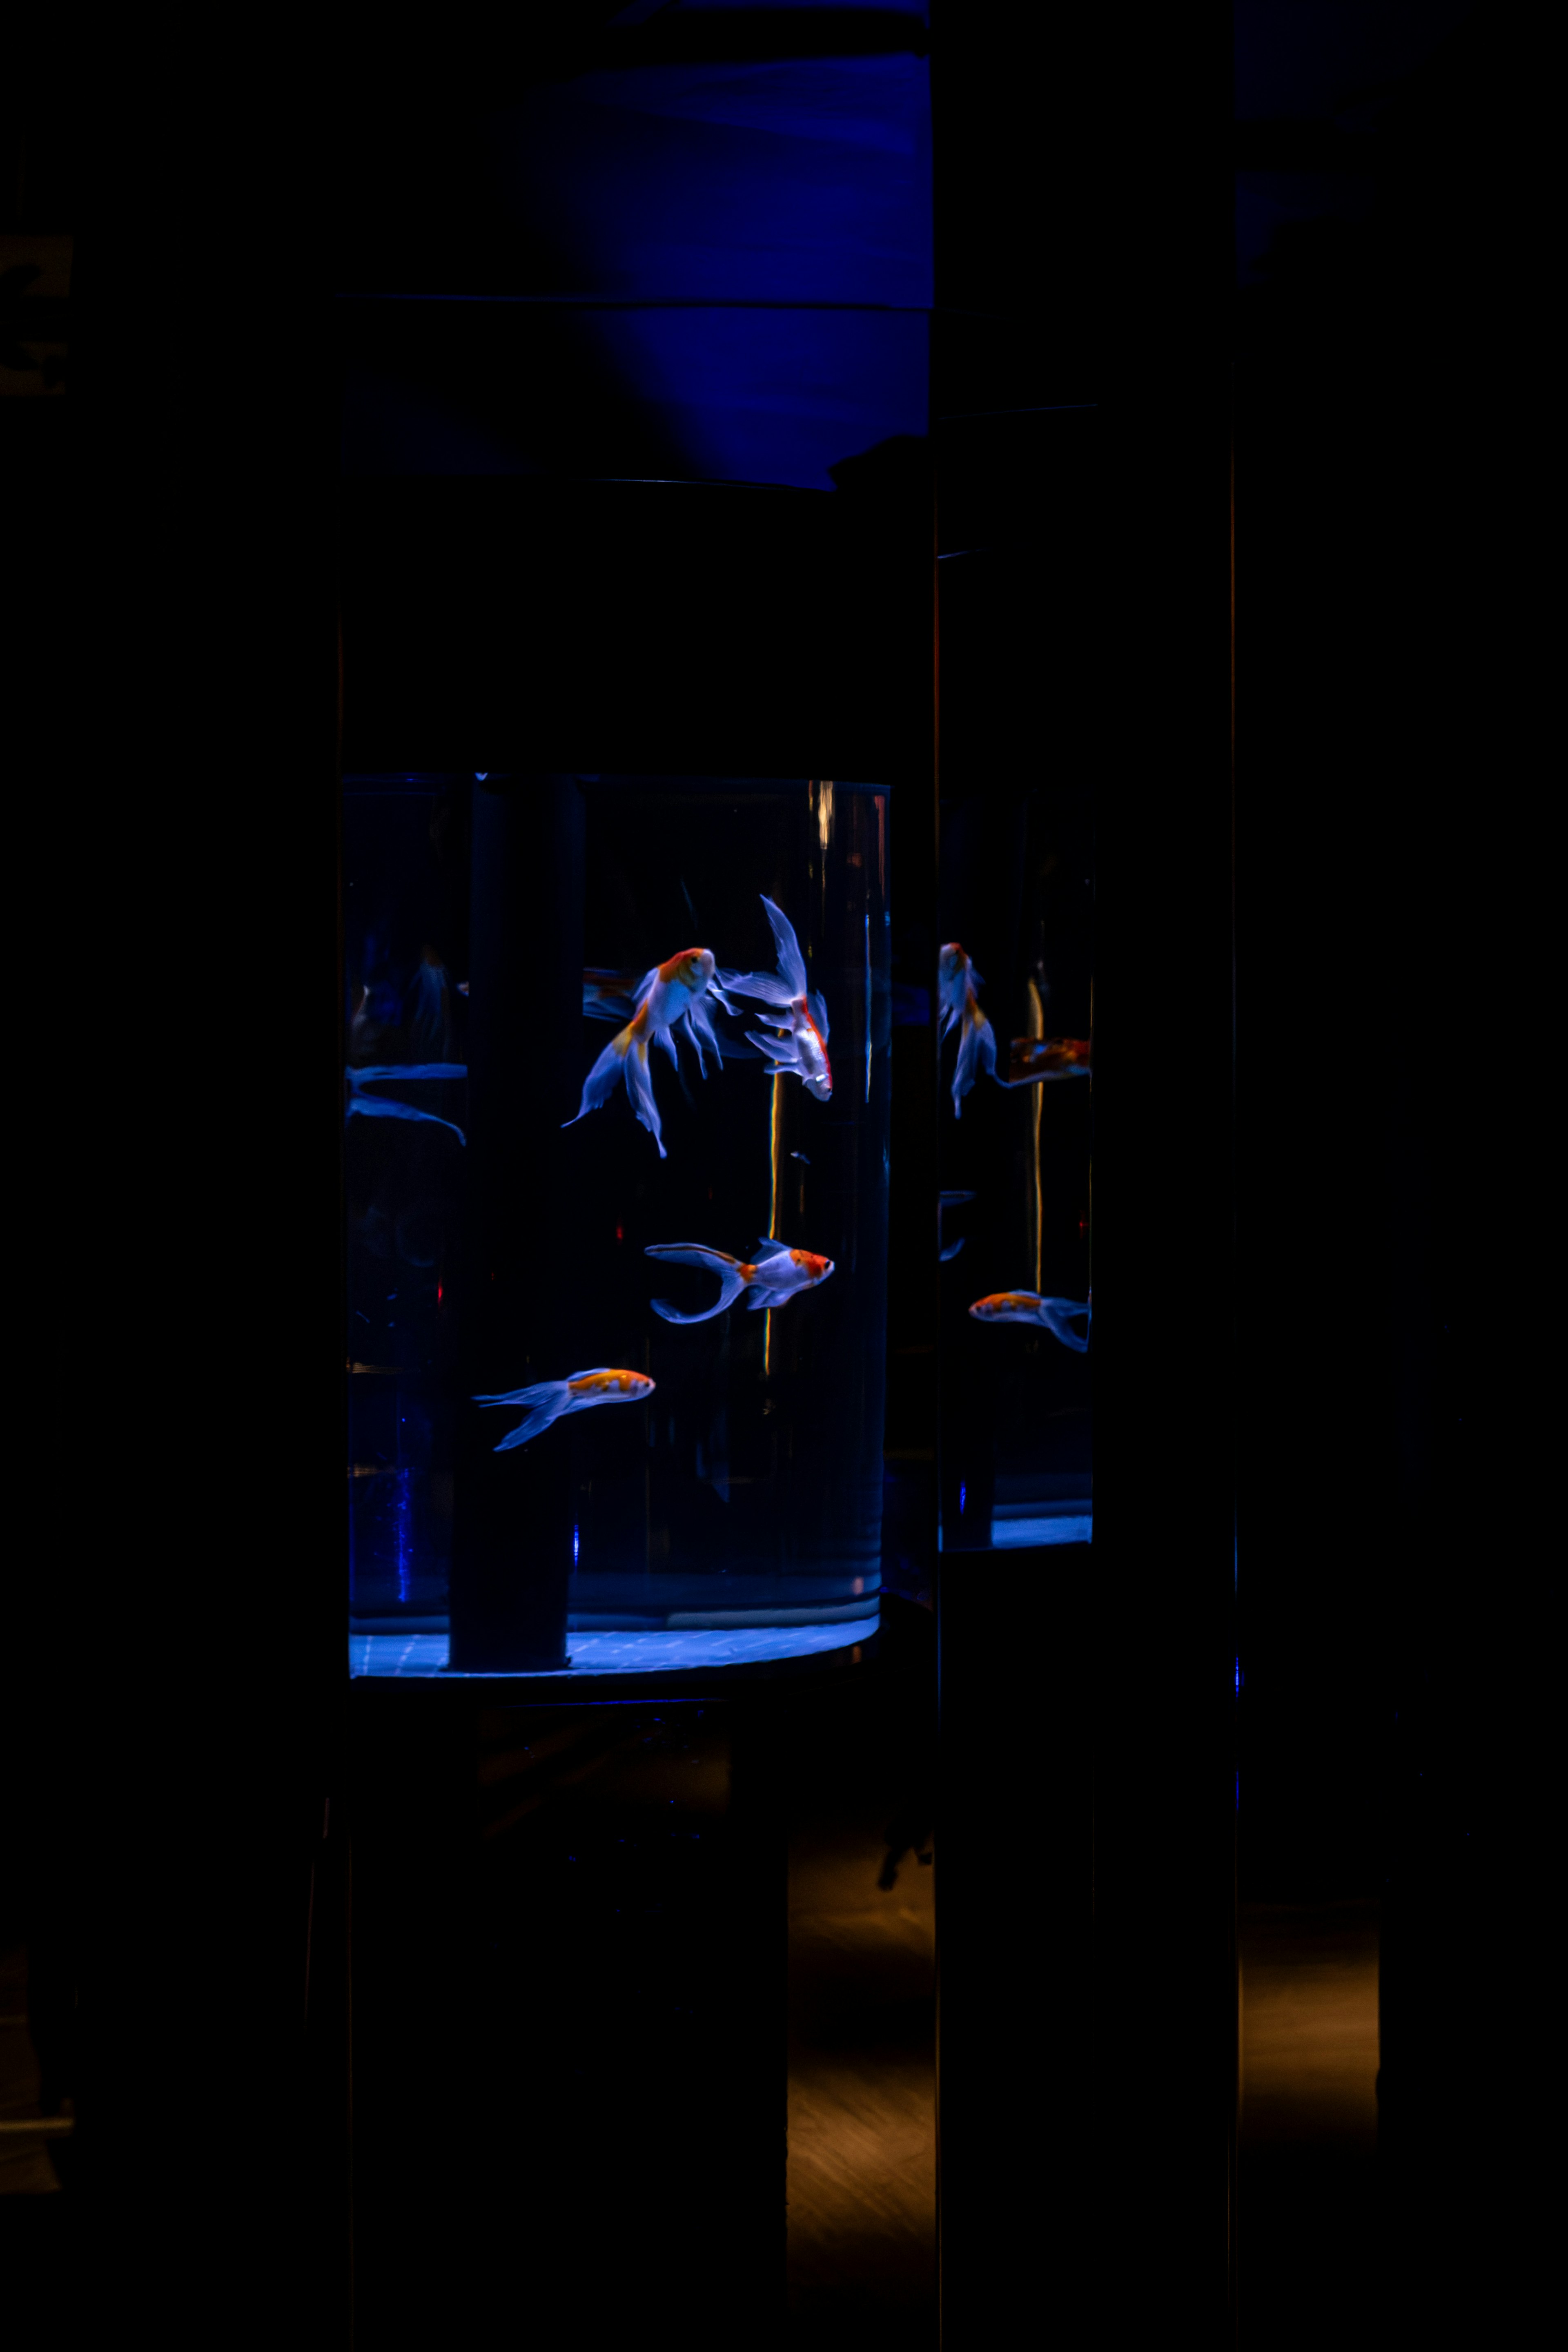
(1032, 1060)
(381, 1073)
(671, 994)
(956, 982)
(551, 1401)
(774, 1276)
(801, 1051)
(1054, 1314)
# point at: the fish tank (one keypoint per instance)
(615, 1150)
(1014, 998)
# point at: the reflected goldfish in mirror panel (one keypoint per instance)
(1032, 1060)
(957, 987)
(1056, 1316)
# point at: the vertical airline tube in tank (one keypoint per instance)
(512, 1525)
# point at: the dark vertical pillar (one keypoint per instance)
(1164, 1527)
(512, 1531)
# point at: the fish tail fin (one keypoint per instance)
(600, 1083)
(976, 1052)
(730, 1281)
(640, 1086)
(782, 1052)
(548, 1400)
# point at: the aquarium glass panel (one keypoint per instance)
(700, 1216)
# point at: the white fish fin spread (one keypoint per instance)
(816, 1006)
(702, 1036)
(764, 986)
(667, 1038)
(548, 1399)
(791, 963)
(640, 1086)
(600, 1081)
(780, 1050)
(765, 1249)
(976, 1052)
(643, 988)
(712, 1261)
(764, 1298)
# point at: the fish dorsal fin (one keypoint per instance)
(816, 1006)
(640, 992)
(791, 963)
(763, 1250)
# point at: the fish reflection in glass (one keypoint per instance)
(799, 1048)
(1056, 1316)
(382, 1074)
(946, 1201)
(672, 996)
(769, 1280)
(551, 1401)
(1032, 1060)
(957, 982)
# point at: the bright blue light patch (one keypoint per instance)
(800, 180)
(576, 1542)
(415, 1656)
(1010, 1535)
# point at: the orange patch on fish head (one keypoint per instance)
(693, 969)
(819, 1268)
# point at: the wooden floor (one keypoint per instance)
(862, 2089)
(1307, 2215)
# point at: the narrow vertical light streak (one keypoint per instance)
(1092, 1137)
(1037, 1029)
(778, 1139)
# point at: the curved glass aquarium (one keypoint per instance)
(616, 1182)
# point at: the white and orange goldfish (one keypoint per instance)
(956, 983)
(670, 995)
(801, 1051)
(774, 1276)
(1056, 1316)
(551, 1401)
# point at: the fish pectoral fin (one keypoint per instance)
(816, 1006)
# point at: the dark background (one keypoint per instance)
(172, 727)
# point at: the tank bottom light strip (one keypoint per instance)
(620, 1653)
